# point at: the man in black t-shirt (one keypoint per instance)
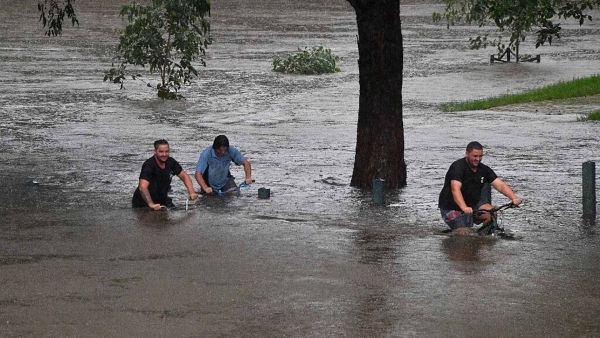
(155, 179)
(461, 193)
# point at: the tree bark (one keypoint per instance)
(380, 131)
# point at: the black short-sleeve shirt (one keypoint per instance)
(160, 181)
(472, 183)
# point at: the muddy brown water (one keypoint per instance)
(317, 259)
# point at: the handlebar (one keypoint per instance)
(493, 210)
(223, 193)
(229, 191)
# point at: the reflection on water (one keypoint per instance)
(465, 248)
(162, 218)
(374, 247)
(467, 251)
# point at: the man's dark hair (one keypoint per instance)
(474, 145)
(220, 141)
(159, 142)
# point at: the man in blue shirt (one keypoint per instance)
(212, 170)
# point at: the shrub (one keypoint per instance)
(314, 61)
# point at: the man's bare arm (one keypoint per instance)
(204, 185)
(143, 186)
(247, 171)
(187, 181)
(505, 190)
(458, 197)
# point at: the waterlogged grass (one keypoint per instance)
(582, 87)
(317, 60)
(593, 116)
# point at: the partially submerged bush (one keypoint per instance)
(314, 61)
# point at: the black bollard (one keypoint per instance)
(378, 191)
(589, 189)
(264, 193)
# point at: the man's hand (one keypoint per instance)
(468, 210)
(249, 180)
(516, 201)
(154, 206)
(208, 191)
(193, 196)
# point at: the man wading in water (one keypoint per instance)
(155, 179)
(461, 193)
(212, 169)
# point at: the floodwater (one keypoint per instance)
(317, 259)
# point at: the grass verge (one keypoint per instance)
(593, 116)
(582, 87)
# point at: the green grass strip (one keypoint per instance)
(593, 116)
(563, 90)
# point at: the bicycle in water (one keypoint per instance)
(494, 227)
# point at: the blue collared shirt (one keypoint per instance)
(218, 168)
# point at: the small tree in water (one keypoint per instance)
(517, 17)
(167, 36)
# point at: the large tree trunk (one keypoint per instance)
(380, 138)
